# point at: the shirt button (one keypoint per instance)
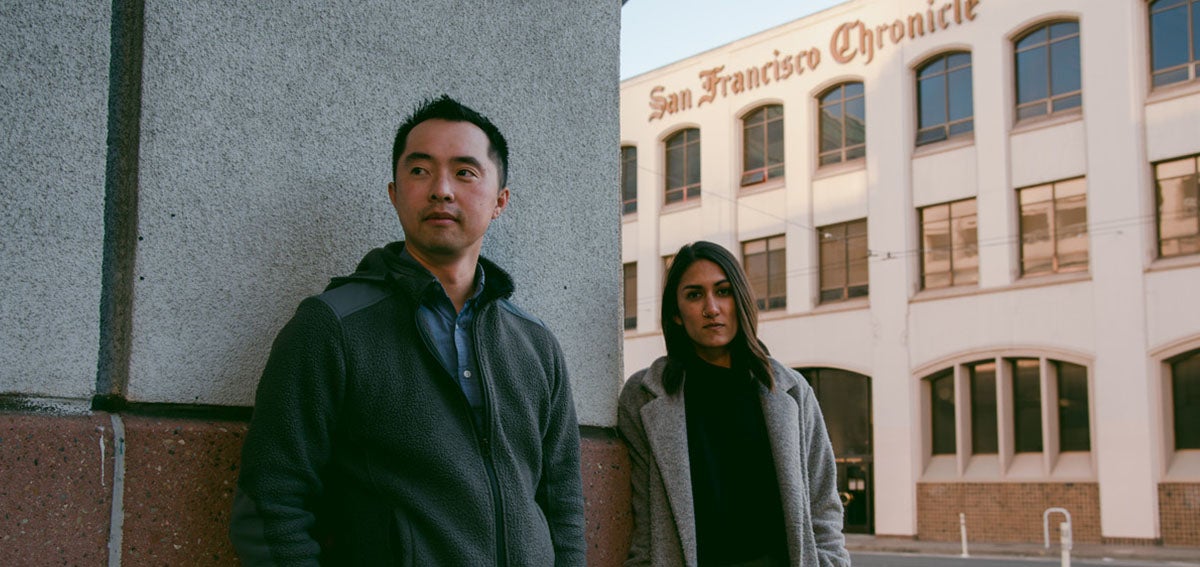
(466, 374)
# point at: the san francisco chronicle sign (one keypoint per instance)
(848, 42)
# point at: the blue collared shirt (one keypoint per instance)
(450, 333)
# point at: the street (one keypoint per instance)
(864, 559)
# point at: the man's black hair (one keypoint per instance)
(446, 108)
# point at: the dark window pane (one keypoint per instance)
(831, 127)
(756, 271)
(675, 166)
(1196, 33)
(856, 121)
(775, 142)
(931, 93)
(1027, 405)
(630, 295)
(984, 440)
(629, 179)
(936, 67)
(1063, 29)
(941, 405)
(961, 105)
(693, 162)
(777, 282)
(1032, 75)
(1073, 421)
(1035, 37)
(753, 154)
(956, 60)
(854, 89)
(1064, 63)
(1169, 38)
(1185, 389)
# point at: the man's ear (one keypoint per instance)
(392, 192)
(501, 202)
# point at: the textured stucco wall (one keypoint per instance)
(54, 59)
(265, 144)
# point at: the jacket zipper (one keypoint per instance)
(482, 439)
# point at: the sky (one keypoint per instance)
(655, 33)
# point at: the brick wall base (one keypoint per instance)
(56, 490)
(1006, 512)
(1179, 513)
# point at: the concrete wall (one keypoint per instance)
(178, 176)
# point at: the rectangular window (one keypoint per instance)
(628, 180)
(941, 403)
(1177, 190)
(1054, 236)
(949, 245)
(631, 295)
(984, 440)
(1074, 431)
(1185, 393)
(843, 252)
(766, 267)
(1027, 404)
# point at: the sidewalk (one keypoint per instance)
(1180, 556)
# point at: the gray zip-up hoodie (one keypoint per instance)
(362, 448)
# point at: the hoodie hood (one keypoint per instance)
(388, 266)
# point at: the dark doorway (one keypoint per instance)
(845, 399)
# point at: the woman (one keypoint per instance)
(731, 464)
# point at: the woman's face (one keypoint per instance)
(707, 311)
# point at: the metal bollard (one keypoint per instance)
(1064, 530)
(962, 529)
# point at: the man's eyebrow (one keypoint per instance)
(465, 160)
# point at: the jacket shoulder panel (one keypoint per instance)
(512, 308)
(345, 300)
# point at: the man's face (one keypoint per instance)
(446, 190)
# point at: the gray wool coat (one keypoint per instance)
(654, 426)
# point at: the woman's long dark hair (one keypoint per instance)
(745, 349)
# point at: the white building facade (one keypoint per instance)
(973, 225)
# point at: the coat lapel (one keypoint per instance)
(665, 422)
(781, 412)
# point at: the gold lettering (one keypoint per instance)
(866, 42)
(658, 104)
(839, 44)
(971, 4)
(916, 26)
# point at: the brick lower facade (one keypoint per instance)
(56, 490)
(1006, 512)
(1179, 513)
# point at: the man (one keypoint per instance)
(411, 414)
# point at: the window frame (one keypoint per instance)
(1191, 66)
(967, 249)
(774, 247)
(1054, 227)
(843, 153)
(1182, 244)
(949, 128)
(628, 182)
(629, 274)
(764, 173)
(1048, 105)
(688, 192)
(847, 290)
(1054, 460)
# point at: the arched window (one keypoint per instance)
(628, 179)
(944, 98)
(1047, 64)
(1174, 41)
(843, 127)
(683, 166)
(1185, 394)
(762, 145)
